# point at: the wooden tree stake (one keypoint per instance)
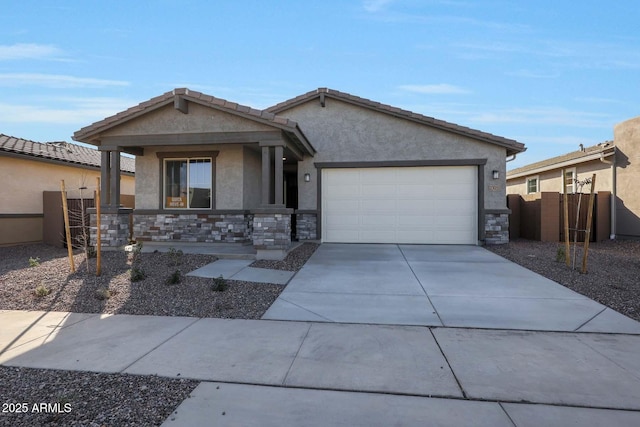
(565, 200)
(587, 235)
(65, 211)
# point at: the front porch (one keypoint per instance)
(207, 171)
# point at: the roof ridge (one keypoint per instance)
(571, 155)
(192, 95)
(390, 109)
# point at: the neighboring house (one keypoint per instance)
(326, 165)
(616, 165)
(29, 168)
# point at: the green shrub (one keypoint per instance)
(174, 278)
(219, 284)
(175, 256)
(91, 252)
(103, 293)
(34, 262)
(136, 274)
(560, 254)
(42, 291)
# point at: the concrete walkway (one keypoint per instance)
(430, 285)
(259, 372)
(238, 269)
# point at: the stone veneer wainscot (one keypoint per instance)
(193, 227)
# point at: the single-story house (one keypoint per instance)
(325, 166)
(28, 168)
(616, 165)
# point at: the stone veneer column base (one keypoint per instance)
(114, 228)
(496, 227)
(306, 225)
(272, 232)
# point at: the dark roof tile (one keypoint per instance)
(60, 151)
(574, 155)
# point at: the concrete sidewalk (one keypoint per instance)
(346, 374)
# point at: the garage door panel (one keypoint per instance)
(342, 205)
(377, 206)
(400, 205)
(378, 192)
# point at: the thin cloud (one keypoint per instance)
(56, 81)
(77, 111)
(374, 6)
(438, 89)
(29, 51)
(542, 116)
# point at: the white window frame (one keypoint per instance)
(537, 180)
(164, 181)
(573, 180)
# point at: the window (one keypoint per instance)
(187, 183)
(533, 185)
(570, 182)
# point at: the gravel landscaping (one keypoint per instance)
(115, 399)
(67, 398)
(49, 285)
(613, 270)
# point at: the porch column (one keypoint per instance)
(105, 178)
(114, 192)
(266, 175)
(279, 176)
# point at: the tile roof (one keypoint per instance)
(573, 157)
(513, 146)
(59, 151)
(283, 123)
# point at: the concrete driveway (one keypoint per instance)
(434, 285)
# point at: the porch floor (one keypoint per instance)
(221, 250)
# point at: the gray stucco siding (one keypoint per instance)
(229, 178)
(252, 178)
(342, 132)
(168, 120)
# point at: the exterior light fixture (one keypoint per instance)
(307, 177)
(496, 174)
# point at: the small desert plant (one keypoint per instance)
(136, 274)
(560, 254)
(42, 291)
(91, 252)
(103, 293)
(219, 284)
(175, 256)
(174, 278)
(34, 262)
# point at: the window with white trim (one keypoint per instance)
(533, 185)
(187, 183)
(570, 181)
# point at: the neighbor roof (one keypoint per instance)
(586, 154)
(87, 133)
(512, 146)
(59, 152)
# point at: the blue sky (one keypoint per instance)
(550, 74)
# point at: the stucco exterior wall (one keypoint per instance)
(342, 132)
(229, 179)
(551, 181)
(200, 119)
(252, 178)
(23, 182)
(627, 139)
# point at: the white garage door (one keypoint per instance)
(433, 205)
